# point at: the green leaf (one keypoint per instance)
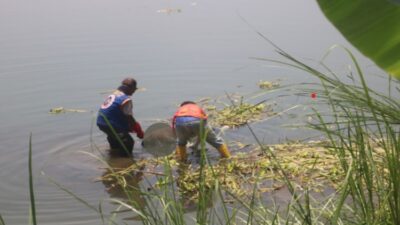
(31, 191)
(372, 26)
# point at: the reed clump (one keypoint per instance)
(362, 126)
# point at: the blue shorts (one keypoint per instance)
(182, 120)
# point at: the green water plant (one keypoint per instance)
(363, 130)
(59, 110)
(31, 190)
(263, 84)
(237, 115)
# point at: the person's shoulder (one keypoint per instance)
(118, 93)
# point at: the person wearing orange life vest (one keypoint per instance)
(187, 122)
(115, 118)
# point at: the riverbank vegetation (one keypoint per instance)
(355, 169)
(351, 177)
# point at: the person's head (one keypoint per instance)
(128, 86)
(187, 102)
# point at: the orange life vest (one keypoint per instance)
(190, 110)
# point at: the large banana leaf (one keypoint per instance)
(372, 26)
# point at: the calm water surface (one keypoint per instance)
(68, 53)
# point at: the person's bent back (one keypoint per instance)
(187, 122)
(115, 118)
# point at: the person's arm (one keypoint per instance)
(131, 120)
(136, 127)
(132, 123)
(173, 122)
(173, 125)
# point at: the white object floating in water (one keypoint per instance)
(169, 10)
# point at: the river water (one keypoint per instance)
(70, 53)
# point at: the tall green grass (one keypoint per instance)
(2, 221)
(363, 129)
(31, 191)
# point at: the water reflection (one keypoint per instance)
(122, 182)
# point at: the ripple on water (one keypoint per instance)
(67, 165)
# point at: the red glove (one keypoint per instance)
(138, 130)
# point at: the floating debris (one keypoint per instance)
(238, 115)
(313, 95)
(235, 114)
(59, 110)
(169, 10)
(308, 165)
(267, 84)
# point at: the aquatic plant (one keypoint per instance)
(361, 122)
(31, 191)
(309, 165)
(262, 84)
(236, 115)
(58, 110)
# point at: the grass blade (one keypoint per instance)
(2, 221)
(31, 192)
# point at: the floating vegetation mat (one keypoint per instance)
(58, 110)
(308, 165)
(268, 84)
(236, 114)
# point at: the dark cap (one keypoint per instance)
(130, 82)
(187, 103)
